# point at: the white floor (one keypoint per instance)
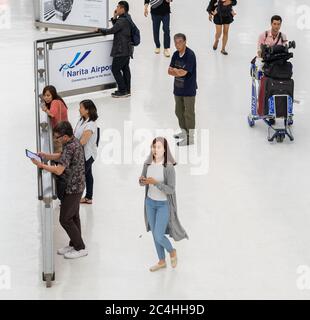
(247, 217)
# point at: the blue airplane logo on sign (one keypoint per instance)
(75, 62)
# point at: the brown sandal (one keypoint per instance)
(86, 201)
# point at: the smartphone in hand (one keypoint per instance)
(142, 180)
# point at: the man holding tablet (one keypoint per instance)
(32, 155)
(71, 167)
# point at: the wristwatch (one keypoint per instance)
(63, 8)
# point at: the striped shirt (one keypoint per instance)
(156, 3)
(159, 7)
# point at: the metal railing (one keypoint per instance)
(46, 183)
(44, 137)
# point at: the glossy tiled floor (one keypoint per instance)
(247, 217)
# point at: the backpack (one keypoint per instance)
(135, 32)
(279, 70)
(223, 11)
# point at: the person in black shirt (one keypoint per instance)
(122, 49)
(222, 14)
(160, 11)
(183, 67)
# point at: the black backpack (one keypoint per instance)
(223, 11)
(280, 70)
(135, 32)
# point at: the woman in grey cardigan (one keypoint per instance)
(160, 211)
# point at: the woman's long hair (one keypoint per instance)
(168, 158)
(54, 95)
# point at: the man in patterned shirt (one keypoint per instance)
(71, 166)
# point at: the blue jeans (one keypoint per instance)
(157, 19)
(158, 218)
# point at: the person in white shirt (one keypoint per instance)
(86, 131)
(158, 177)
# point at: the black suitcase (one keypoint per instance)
(275, 87)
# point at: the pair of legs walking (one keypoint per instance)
(165, 20)
(221, 30)
(158, 214)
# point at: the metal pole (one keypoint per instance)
(37, 115)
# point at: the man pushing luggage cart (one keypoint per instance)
(272, 83)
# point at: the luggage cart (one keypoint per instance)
(278, 133)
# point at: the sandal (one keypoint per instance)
(158, 267)
(174, 260)
(86, 201)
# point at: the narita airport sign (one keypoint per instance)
(81, 64)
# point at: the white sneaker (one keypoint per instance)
(167, 53)
(73, 254)
(186, 142)
(157, 51)
(180, 135)
(64, 250)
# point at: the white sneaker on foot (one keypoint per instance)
(64, 250)
(167, 53)
(186, 142)
(180, 135)
(157, 51)
(73, 254)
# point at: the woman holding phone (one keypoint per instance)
(158, 178)
(55, 107)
